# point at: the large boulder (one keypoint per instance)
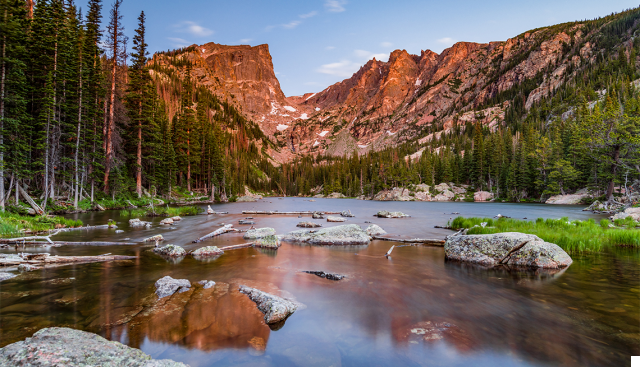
(510, 248)
(167, 286)
(349, 234)
(335, 195)
(253, 234)
(375, 230)
(567, 199)
(387, 214)
(395, 194)
(58, 346)
(275, 309)
(442, 187)
(423, 196)
(634, 213)
(482, 196)
(445, 195)
(170, 251)
(246, 199)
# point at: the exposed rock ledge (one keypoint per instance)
(68, 347)
(350, 234)
(509, 248)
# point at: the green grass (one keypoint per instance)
(12, 225)
(162, 211)
(570, 235)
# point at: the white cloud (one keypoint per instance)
(245, 40)
(178, 42)
(193, 28)
(291, 25)
(344, 68)
(309, 15)
(335, 6)
(366, 55)
(386, 44)
(329, 48)
(447, 41)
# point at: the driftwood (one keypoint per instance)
(423, 241)
(46, 259)
(235, 247)
(262, 212)
(102, 226)
(218, 232)
(390, 250)
(29, 200)
(205, 213)
(59, 243)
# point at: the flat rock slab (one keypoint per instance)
(275, 309)
(375, 230)
(349, 234)
(253, 234)
(387, 214)
(308, 225)
(167, 286)
(510, 248)
(322, 274)
(68, 347)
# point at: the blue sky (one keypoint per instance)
(316, 43)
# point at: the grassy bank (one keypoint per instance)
(14, 225)
(162, 211)
(570, 235)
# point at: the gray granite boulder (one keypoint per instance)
(349, 234)
(387, 214)
(274, 308)
(271, 242)
(335, 219)
(137, 223)
(510, 248)
(375, 230)
(167, 286)
(207, 251)
(308, 225)
(206, 284)
(58, 346)
(170, 251)
(253, 234)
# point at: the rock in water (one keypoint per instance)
(308, 225)
(275, 309)
(26, 267)
(207, 251)
(167, 221)
(137, 223)
(349, 234)
(317, 215)
(5, 276)
(386, 214)
(170, 250)
(167, 286)
(375, 230)
(154, 239)
(271, 242)
(58, 346)
(206, 284)
(347, 214)
(253, 234)
(176, 218)
(322, 274)
(509, 248)
(335, 219)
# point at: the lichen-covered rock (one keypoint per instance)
(634, 213)
(322, 274)
(137, 223)
(246, 199)
(387, 214)
(347, 214)
(510, 248)
(317, 215)
(335, 195)
(349, 234)
(170, 251)
(271, 242)
(206, 284)
(154, 238)
(442, 187)
(275, 309)
(167, 286)
(167, 221)
(335, 219)
(395, 194)
(207, 251)
(308, 225)
(5, 276)
(375, 230)
(253, 234)
(445, 195)
(482, 196)
(74, 348)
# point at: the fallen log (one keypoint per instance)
(235, 247)
(29, 200)
(263, 212)
(218, 232)
(4, 243)
(423, 241)
(102, 226)
(46, 259)
(205, 213)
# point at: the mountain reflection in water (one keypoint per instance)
(414, 309)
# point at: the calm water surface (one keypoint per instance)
(413, 309)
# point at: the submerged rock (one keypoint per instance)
(386, 214)
(68, 347)
(509, 248)
(170, 250)
(137, 223)
(154, 239)
(275, 309)
(271, 242)
(167, 286)
(335, 219)
(253, 234)
(308, 225)
(207, 251)
(322, 274)
(375, 230)
(5, 276)
(206, 284)
(349, 234)
(246, 222)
